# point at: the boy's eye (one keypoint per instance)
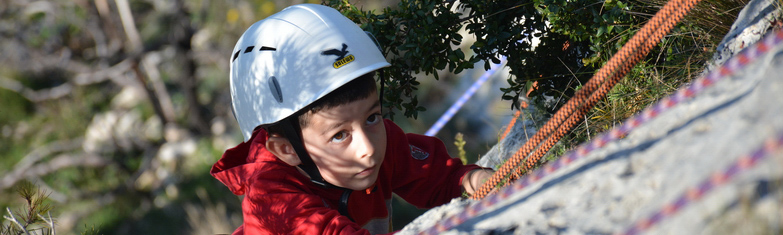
(339, 137)
(375, 118)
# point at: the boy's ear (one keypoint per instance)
(283, 149)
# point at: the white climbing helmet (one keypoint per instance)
(290, 59)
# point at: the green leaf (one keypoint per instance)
(553, 8)
(460, 54)
(528, 85)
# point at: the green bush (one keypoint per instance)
(33, 217)
(575, 38)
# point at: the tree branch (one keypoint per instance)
(49, 222)
(60, 91)
(41, 152)
(12, 218)
(130, 27)
(152, 95)
(150, 65)
(101, 75)
(59, 162)
(33, 95)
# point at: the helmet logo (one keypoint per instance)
(342, 56)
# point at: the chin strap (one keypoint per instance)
(343, 207)
(293, 133)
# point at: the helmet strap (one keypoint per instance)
(293, 133)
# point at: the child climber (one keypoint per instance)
(318, 158)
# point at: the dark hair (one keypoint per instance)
(357, 89)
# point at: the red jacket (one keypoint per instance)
(280, 200)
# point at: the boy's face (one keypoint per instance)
(348, 142)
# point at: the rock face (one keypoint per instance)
(662, 164)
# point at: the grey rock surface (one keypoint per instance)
(522, 131)
(614, 187)
(753, 21)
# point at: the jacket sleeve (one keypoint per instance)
(424, 173)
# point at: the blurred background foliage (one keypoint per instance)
(117, 109)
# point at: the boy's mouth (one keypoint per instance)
(366, 172)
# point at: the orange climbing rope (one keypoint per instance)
(511, 124)
(522, 105)
(593, 91)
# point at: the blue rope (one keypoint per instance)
(464, 98)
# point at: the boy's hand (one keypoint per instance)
(475, 178)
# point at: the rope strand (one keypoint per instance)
(734, 64)
(595, 89)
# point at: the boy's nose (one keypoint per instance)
(365, 147)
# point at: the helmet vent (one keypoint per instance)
(235, 56)
(275, 87)
(263, 48)
(250, 49)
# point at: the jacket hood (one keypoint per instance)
(238, 163)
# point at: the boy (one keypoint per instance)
(318, 158)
